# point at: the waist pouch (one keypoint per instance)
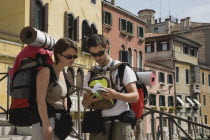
(92, 122)
(63, 126)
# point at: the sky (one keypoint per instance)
(197, 10)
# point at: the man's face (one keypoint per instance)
(99, 54)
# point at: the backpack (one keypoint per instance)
(105, 79)
(23, 110)
(141, 88)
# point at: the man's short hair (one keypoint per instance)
(96, 40)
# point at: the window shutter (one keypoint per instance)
(159, 78)
(76, 29)
(103, 19)
(120, 24)
(152, 47)
(32, 12)
(132, 28)
(138, 31)
(110, 18)
(66, 23)
(124, 56)
(45, 17)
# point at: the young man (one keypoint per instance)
(98, 47)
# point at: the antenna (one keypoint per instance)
(160, 8)
(169, 8)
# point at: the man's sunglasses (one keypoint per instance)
(100, 53)
(70, 56)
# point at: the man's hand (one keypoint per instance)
(111, 94)
(88, 99)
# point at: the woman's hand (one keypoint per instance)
(88, 99)
(48, 132)
(111, 94)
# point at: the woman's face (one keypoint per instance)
(68, 57)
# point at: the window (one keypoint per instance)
(161, 77)
(162, 46)
(39, 15)
(177, 74)
(71, 27)
(93, 29)
(126, 26)
(123, 24)
(140, 32)
(156, 30)
(130, 57)
(193, 51)
(162, 100)
(164, 122)
(186, 49)
(170, 101)
(152, 99)
(86, 32)
(205, 119)
(93, 1)
(187, 76)
(209, 79)
(140, 60)
(123, 54)
(170, 79)
(129, 27)
(203, 80)
(149, 48)
(204, 99)
(107, 18)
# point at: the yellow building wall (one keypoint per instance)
(15, 15)
(205, 90)
(12, 15)
(181, 86)
(182, 56)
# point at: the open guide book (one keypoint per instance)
(96, 91)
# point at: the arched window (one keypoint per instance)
(85, 34)
(79, 78)
(130, 57)
(70, 76)
(140, 60)
(93, 29)
(135, 61)
(123, 54)
(71, 26)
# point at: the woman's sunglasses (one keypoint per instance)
(70, 56)
(100, 53)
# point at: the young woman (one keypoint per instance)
(65, 53)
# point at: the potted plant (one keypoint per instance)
(171, 109)
(179, 107)
(154, 107)
(163, 108)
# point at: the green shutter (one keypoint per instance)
(110, 18)
(66, 23)
(103, 19)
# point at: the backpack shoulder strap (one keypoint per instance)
(68, 86)
(53, 77)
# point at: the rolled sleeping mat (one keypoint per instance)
(147, 78)
(37, 38)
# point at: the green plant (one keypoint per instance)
(154, 107)
(171, 109)
(179, 107)
(163, 108)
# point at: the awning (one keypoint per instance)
(180, 100)
(190, 101)
(196, 101)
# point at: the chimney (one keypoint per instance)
(187, 22)
(177, 20)
(156, 21)
(159, 20)
(183, 24)
(113, 2)
(167, 25)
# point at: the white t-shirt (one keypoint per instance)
(120, 106)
